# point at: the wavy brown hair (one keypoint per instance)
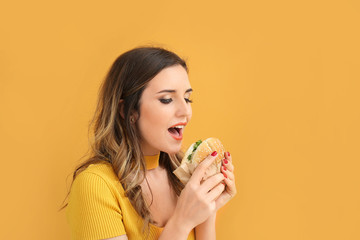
(116, 138)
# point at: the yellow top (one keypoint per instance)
(99, 209)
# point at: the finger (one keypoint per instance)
(211, 182)
(223, 199)
(230, 187)
(201, 168)
(216, 192)
(227, 173)
(228, 165)
(228, 156)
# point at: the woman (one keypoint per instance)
(126, 189)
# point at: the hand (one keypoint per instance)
(196, 202)
(227, 169)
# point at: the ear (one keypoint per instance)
(135, 116)
(121, 109)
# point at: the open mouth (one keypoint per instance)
(176, 132)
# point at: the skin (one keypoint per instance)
(197, 205)
(156, 117)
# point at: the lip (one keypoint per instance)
(181, 130)
(177, 138)
(181, 123)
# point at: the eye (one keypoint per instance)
(169, 100)
(188, 100)
(166, 101)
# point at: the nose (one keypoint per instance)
(184, 110)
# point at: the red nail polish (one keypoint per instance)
(225, 175)
(228, 154)
(226, 161)
(214, 153)
(224, 168)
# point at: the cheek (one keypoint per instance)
(153, 122)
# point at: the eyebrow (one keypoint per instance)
(171, 90)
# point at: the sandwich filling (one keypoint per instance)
(196, 145)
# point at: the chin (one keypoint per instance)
(171, 153)
(172, 150)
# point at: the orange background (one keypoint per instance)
(276, 81)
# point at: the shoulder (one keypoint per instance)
(103, 170)
(93, 209)
(100, 169)
(97, 179)
(96, 187)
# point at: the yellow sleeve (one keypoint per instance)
(93, 211)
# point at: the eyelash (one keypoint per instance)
(167, 101)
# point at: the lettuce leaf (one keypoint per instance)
(195, 147)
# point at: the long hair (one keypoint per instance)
(116, 139)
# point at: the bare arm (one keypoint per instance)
(196, 204)
(206, 230)
(175, 230)
(172, 231)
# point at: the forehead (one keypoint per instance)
(174, 77)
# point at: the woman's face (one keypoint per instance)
(164, 104)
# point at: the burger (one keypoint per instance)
(195, 154)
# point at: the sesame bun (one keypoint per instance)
(193, 157)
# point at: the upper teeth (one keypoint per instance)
(179, 126)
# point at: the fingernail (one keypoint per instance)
(224, 168)
(228, 154)
(225, 175)
(214, 153)
(226, 161)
